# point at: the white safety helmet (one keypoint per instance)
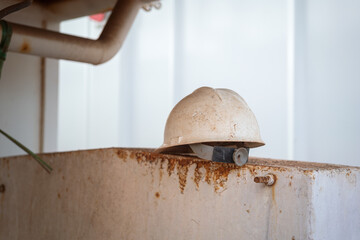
(209, 122)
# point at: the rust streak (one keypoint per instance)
(2, 188)
(25, 47)
(171, 166)
(161, 172)
(197, 176)
(216, 174)
(273, 194)
(182, 171)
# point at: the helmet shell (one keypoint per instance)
(211, 116)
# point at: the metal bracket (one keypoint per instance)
(239, 156)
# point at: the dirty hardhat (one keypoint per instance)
(214, 124)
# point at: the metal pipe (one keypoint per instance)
(45, 43)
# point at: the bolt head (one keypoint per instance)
(240, 156)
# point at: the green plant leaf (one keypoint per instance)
(36, 157)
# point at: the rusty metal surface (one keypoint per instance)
(139, 194)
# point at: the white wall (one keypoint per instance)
(295, 63)
(328, 81)
(124, 102)
(20, 103)
(28, 97)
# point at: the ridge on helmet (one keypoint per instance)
(215, 117)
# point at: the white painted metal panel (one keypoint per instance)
(134, 194)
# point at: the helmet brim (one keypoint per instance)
(184, 148)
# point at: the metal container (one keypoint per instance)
(138, 194)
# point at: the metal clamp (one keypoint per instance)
(239, 156)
